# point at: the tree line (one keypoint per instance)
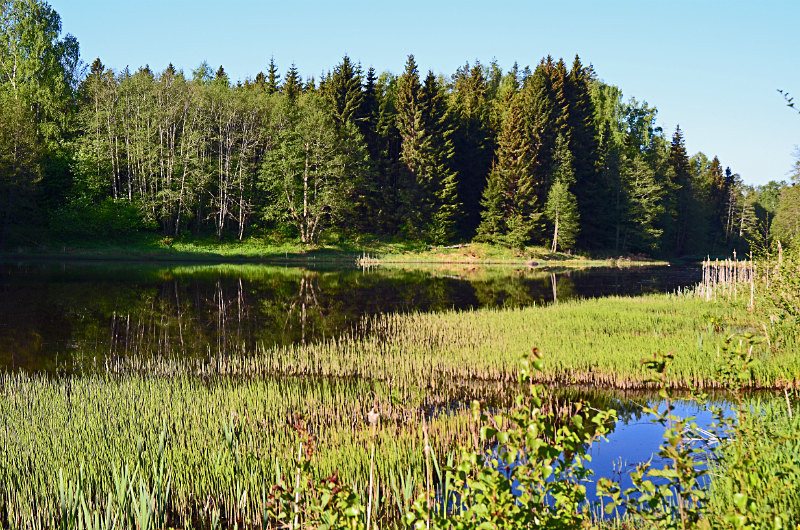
(550, 156)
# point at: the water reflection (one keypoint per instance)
(55, 314)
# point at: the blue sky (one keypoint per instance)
(711, 66)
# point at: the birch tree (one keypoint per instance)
(311, 172)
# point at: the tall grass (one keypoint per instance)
(201, 441)
(765, 455)
(593, 342)
(223, 436)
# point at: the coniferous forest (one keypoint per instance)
(547, 155)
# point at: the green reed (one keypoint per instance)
(593, 342)
(201, 441)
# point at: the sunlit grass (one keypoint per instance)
(228, 419)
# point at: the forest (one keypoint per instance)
(550, 155)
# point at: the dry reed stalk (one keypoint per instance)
(374, 417)
(297, 489)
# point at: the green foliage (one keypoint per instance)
(311, 174)
(299, 499)
(192, 150)
(786, 223)
(671, 496)
(38, 77)
(108, 218)
(561, 208)
(527, 471)
(782, 286)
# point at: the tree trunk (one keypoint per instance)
(555, 236)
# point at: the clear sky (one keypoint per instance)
(711, 66)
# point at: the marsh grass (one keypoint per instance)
(202, 440)
(217, 443)
(594, 342)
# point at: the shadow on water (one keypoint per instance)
(58, 314)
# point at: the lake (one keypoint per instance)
(60, 315)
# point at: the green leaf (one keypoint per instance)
(740, 501)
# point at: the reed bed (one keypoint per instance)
(210, 436)
(221, 443)
(591, 342)
(728, 278)
(224, 437)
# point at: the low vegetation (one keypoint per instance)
(361, 430)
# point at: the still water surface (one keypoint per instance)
(53, 315)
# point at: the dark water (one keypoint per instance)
(53, 315)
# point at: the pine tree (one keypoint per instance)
(561, 208)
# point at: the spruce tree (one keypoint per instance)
(610, 161)
(682, 202)
(510, 214)
(540, 101)
(273, 81)
(293, 83)
(473, 139)
(592, 194)
(260, 82)
(493, 219)
(411, 132)
(643, 200)
(437, 153)
(343, 91)
(368, 113)
(409, 115)
(221, 76)
(717, 195)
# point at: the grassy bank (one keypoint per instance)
(368, 252)
(485, 254)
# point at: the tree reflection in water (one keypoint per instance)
(65, 314)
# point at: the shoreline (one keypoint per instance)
(367, 256)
